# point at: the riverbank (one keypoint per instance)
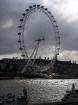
(60, 103)
(12, 78)
(13, 75)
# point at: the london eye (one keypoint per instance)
(30, 49)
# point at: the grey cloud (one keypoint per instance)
(14, 9)
(69, 35)
(8, 37)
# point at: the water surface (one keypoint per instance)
(38, 90)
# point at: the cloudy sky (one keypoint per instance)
(65, 13)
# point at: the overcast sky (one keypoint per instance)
(65, 13)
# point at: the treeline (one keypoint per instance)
(9, 68)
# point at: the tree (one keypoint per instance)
(15, 68)
(7, 68)
(0, 68)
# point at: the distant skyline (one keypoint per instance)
(65, 13)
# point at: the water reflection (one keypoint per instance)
(39, 90)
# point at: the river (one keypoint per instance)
(38, 90)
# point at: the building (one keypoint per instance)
(65, 69)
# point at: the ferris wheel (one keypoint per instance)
(22, 30)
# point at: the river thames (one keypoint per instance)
(38, 90)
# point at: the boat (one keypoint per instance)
(71, 95)
(11, 99)
(35, 75)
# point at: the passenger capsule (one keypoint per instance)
(19, 33)
(19, 41)
(21, 19)
(49, 12)
(58, 48)
(24, 14)
(57, 32)
(52, 16)
(58, 43)
(20, 48)
(23, 55)
(30, 7)
(42, 6)
(38, 5)
(34, 5)
(54, 20)
(56, 26)
(27, 10)
(57, 53)
(58, 37)
(46, 8)
(19, 26)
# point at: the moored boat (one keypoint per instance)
(11, 99)
(71, 95)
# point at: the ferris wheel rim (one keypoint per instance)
(21, 27)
